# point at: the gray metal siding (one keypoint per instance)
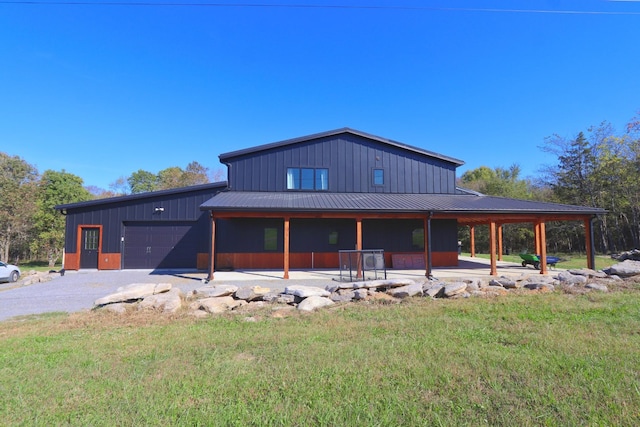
(350, 160)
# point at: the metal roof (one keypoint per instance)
(226, 156)
(138, 196)
(387, 203)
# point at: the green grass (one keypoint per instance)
(534, 359)
(38, 266)
(568, 261)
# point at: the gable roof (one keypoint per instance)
(386, 203)
(226, 156)
(146, 195)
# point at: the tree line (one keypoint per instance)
(596, 168)
(32, 230)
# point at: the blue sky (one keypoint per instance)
(104, 90)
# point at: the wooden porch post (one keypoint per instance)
(500, 242)
(543, 248)
(588, 235)
(472, 235)
(286, 247)
(536, 234)
(212, 248)
(492, 248)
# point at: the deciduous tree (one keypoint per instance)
(55, 188)
(17, 202)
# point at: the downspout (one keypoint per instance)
(592, 250)
(228, 174)
(428, 231)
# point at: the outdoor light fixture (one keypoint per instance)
(158, 209)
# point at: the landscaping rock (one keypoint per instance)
(587, 272)
(569, 279)
(219, 304)
(383, 297)
(504, 282)
(498, 290)
(306, 291)
(360, 294)
(253, 293)
(406, 291)
(215, 291)
(387, 283)
(454, 289)
(626, 268)
(314, 302)
(166, 302)
(435, 291)
(597, 287)
(135, 291)
(343, 295)
(632, 255)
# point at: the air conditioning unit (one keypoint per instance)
(373, 261)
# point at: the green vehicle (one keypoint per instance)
(531, 259)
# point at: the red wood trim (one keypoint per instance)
(202, 261)
(249, 261)
(79, 241)
(444, 259)
(109, 261)
(492, 248)
(472, 234)
(543, 249)
(72, 261)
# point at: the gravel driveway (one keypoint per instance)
(77, 290)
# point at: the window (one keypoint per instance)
(307, 179)
(270, 239)
(378, 177)
(333, 238)
(91, 239)
(417, 238)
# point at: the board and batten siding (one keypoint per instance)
(112, 217)
(350, 160)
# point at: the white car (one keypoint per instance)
(9, 272)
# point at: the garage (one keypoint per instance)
(153, 245)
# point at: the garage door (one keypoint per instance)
(151, 245)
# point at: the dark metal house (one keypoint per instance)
(296, 203)
(162, 229)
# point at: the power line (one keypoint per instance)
(316, 6)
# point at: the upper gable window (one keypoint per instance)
(307, 179)
(378, 177)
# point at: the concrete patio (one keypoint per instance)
(467, 267)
